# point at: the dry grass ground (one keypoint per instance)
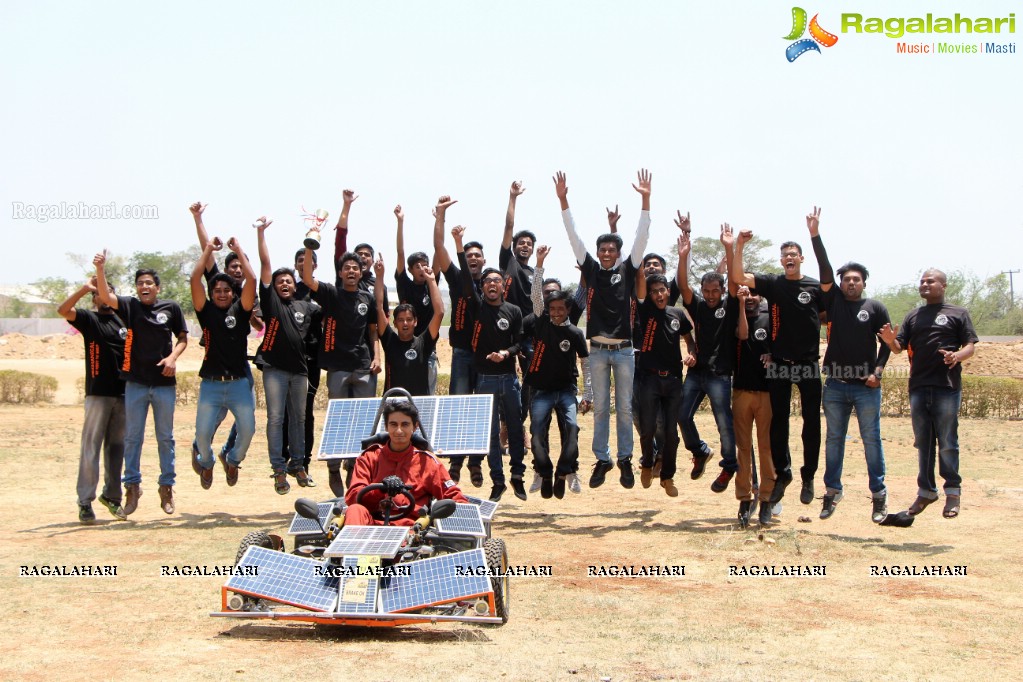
(706, 625)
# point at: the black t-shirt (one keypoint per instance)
(925, 331)
(225, 332)
(459, 331)
(493, 328)
(750, 373)
(661, 336)
(152, 333)
(852, 329)
(518, 280)
(417, 296)
(715, 332)
(555, 349)
(104, 337)
(287, 324)
(609, 299)
(407, 362)
(346, 317)
(795, 325)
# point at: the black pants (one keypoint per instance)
(807, 380)
(659, 400)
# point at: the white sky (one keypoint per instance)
(262, 108)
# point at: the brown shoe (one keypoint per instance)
(919, 504)
(646, 476)
(167, 499)
(205, 475)
(669, 487)
(230, 471)
(132, 493)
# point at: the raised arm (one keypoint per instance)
(195, 280)
(378, 292)
(561, 189)
(248, 297)
(307, 271)
(399, 241)
(264, 253)
(441, 257)
(736, 274)
(813, 223)
(643, 229)
(742, 325)
(106, 297)
(348, 197)
(67, 308)
(685, 248)
(536, 286)
(436, 301)
(728, 241)
(517, 188)
(612, 219)
(457, 232)
(200, 230)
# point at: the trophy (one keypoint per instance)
(312, 237)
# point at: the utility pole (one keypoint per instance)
(1010, 273)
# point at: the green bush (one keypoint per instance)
(25, 387)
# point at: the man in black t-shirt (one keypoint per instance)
(553, 377)
(513, 259)
(414, 290)
(715, 313)
(406, 352)
(496, 331)
(853, 367)
(609, 329)
(103, 428)
(795, 301)
(156, 337)
(225, 368)
(283, 361)
(662, 330)
(938, 337)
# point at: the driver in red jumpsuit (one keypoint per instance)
(418, 469)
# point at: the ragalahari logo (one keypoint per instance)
(817, 35)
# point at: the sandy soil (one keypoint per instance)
(705, 625)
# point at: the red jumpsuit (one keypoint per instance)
(419, 469)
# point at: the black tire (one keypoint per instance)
(257, 538)
(497, 561)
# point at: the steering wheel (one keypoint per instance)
(397, 511)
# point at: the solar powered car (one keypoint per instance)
(445, 567)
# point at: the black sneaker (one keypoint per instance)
(112, 507)
(86, 515)
(699, 464)
(782, 480)
(626, 476)
(559, 487)
(476, 475)
(519, 488)
(455, 471)
(766, 515)
(720, 483)
(497, 491)
(755, 503)
(806, 494)
(547, 488)
(744, 513)
(600, 469)
(880, 509)
(830, 501)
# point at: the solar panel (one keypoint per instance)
(487, 508)
(287, 579)
(382, 541)
(303, 526)
(454, 424)
(437, 580)
(358, 593)
(465, 521)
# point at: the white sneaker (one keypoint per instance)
(534, 487)
(574, 485)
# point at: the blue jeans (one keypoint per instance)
(702, 383)
(935, 414)
(462, 382)
(284, 388)
(839, 401)
(137, 400)
(602, 364)
(543, 405)
(216, 397)
(505, 389)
